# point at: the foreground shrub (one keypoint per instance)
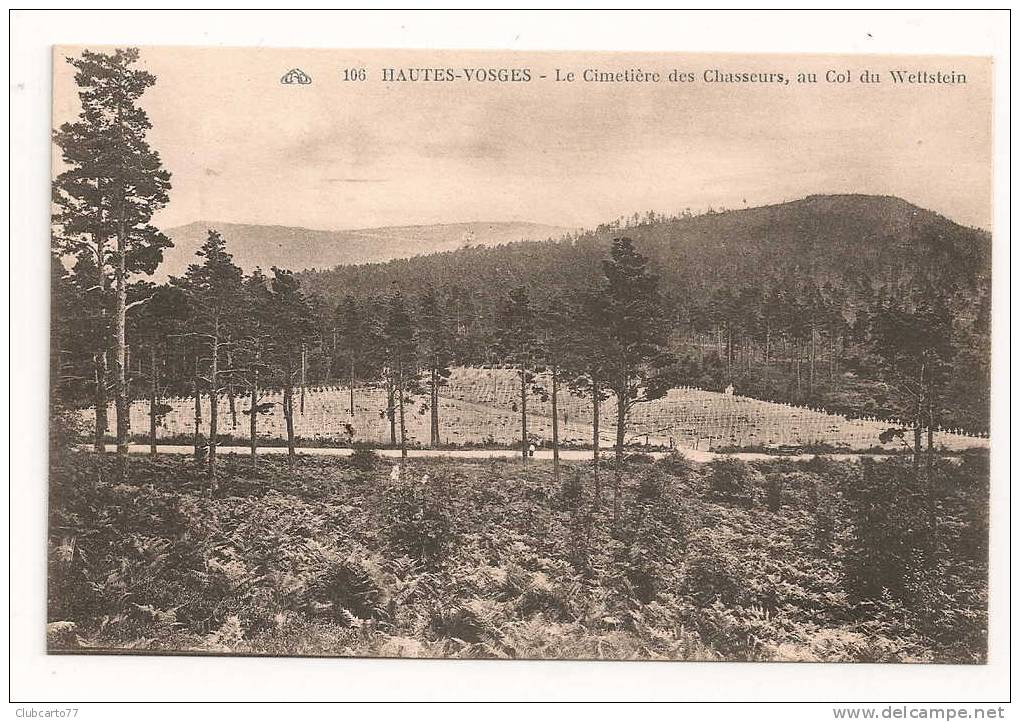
(734, 481)
(348, 588)
(637, 458)
(417, 521)
(652, 536)
(800, 489)
(888, 528)
(711, 574)
(489, 559)
(363, 458)
(774, 492)
(474, 620)
(572, 489)
(677, 465)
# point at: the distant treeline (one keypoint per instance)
(779, 301)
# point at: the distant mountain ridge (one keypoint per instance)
(299, 249)
(851, 238)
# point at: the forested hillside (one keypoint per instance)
(776, 300)
(854, 240)
(293, 247)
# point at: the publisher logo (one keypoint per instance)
(296, 76)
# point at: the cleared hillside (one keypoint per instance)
(479, 407)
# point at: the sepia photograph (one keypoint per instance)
(473, 369)
(543, 356)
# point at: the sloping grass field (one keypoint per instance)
(479, 406)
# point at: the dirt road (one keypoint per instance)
(543, 454)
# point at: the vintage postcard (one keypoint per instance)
(520, 355)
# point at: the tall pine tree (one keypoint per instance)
(637, 334)
(435, 345)
(399, 335)
(517, 343)
(251, 354)
(213, 291)
(112, 185)
(292, 325)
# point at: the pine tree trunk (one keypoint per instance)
(232, 405)
(621, 429)
(288, 414)
(152, 401)
(127, 382)
(596, 403)
(253, 422)
(390, 410)
(434, 408)
(555, 426)
(198, 415)
(352, 387)
(918, 433)
(231, 400)
(729, 354)
(832, 356)
(811, 374)
(918, 423)
(304, 375)
(214, 399)
(524, 414)
(102, 402)
(100, 359)
(929, 474)
(123, 421)
(400, 401)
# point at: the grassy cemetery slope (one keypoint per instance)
(479, 407)
(780, 561)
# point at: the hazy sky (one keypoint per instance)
(244, 148)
